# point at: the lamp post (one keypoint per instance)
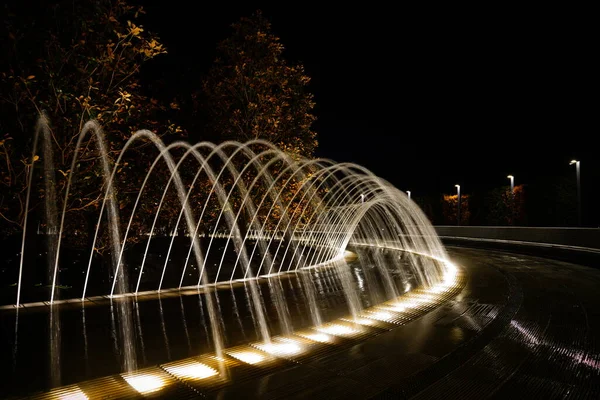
(362, 198)
(408, 193)
(512, 198)
(512, 183)
(578, 171)
(458, 192)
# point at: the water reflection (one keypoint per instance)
(164, 329)
(278, 299)
(113, 333)
(85, 339)
(345, 277)
(184, 320)
(139, 330)
(16, 342)
(251, 309)
(220, 314)
(310, 298)
(55, 356)
(236, 313)
(203, 319)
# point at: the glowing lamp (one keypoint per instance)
(194, 370)
(248, 357)
(145, 383)
(73, 394)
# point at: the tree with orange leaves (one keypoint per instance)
(252, 92)
(76, 61)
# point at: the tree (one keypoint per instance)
(76, 61)
(506, 208)
(450, 209)
(251, 91)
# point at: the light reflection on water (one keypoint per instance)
(98, 348)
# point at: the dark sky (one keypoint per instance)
(427, 97)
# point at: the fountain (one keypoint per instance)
(267, 218)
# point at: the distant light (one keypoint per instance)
(145, 383)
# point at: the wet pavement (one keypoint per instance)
(522, 327)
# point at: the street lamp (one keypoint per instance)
(408, 193)
(458, 192)
(512, 198)
(362, 198)
(578, 171)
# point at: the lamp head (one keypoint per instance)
(510, 177)
(573, 162)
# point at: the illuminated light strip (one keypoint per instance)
(438, 289)
(397, 308)
(145, 383)
(361, 321)
(71, 393)
(249, 356)
(221, 361)
(379, 315)
(337, 330)
(421, 297)
(317, 337)
(283, 348)
(192, 370)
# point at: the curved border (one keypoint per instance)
(208, 372)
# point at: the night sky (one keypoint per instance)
(428, 97)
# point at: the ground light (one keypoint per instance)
(73, 393)
(337, 330)
(193, 370)
(248, 356)
(145, 383)
(286, 347)
(316, 337)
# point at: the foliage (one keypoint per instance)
(252, 92)
(506, 208)
(76, 61)
(450, 209)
